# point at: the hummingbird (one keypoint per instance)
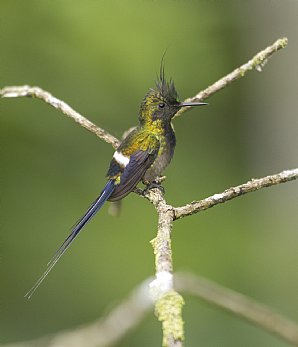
(142, 156)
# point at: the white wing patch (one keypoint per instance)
(121, 159)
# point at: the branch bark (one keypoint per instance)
(257, 63)
(36, 92)
(168, 303)
(234, 192)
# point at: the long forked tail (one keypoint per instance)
(96, 205)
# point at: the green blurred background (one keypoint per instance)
(101, 57)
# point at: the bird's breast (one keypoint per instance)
(165, 154)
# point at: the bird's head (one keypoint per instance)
(162, 103)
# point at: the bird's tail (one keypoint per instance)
(95, 207)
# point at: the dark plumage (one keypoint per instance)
(166, 89)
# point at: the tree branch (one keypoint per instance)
(36, 92)
(168, 303)
(257, 62)
(234, 192)
(167, 297)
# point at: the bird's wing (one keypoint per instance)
(138, 164)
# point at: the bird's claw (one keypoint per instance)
(153, 185)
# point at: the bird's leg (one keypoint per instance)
(155, 185)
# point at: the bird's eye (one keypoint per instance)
(161, 105)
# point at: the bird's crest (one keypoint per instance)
(166, 88)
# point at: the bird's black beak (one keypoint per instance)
(184, 104)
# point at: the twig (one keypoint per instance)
(239, 304)
(257, 62)
(36, 92)
(234, 192)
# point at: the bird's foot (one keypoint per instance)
(153, 185)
